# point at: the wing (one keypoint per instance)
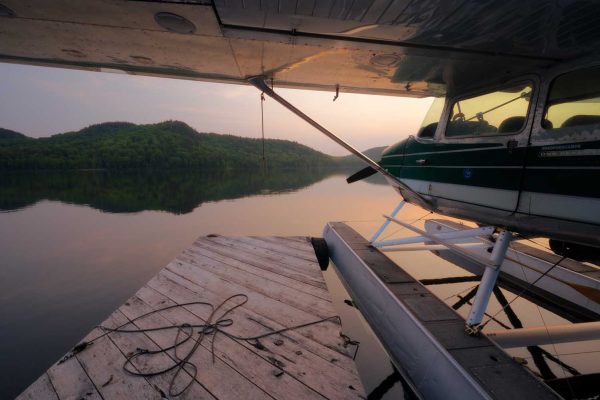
(394, 47)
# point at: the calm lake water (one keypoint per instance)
(74, 246)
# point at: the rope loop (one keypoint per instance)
(138, 362)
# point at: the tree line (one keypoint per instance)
(165, 145)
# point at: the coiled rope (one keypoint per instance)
(185, 332)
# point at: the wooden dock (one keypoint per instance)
(285, 288)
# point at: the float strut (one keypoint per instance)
(488, 281)
(387, 222)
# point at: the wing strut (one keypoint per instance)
(260, 83)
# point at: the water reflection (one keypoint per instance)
(79, 244)
(177, 192)
(64, 267)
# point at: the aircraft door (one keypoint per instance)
(416, 169)
(563, 167)
(477, 165)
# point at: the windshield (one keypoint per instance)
(430, 122)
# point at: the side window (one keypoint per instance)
(502, 112)
(574, 100)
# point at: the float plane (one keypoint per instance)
(512, 139)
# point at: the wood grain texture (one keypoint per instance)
(285, 287)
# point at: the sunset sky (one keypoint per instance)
(41, 101)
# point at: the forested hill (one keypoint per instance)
(373, 153)
(8, 134)
(170, 144)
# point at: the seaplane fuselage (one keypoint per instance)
(523, 155)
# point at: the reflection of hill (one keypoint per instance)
(178, 192)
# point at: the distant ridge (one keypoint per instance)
(97, 130)
(373, 153)
(165, 145)
(7, 134)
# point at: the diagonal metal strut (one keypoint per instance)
(260, 83)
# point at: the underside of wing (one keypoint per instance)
(393, 47)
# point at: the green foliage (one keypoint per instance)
(7, 134)
(166, 145)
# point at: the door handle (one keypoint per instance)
(422, 161)
(511, 145)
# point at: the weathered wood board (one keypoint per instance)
(285, 288)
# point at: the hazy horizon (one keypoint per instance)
(108, 122)
(43, 101)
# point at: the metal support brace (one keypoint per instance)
(259, 83)
(462, 234)
(541, 335)
(449, 245)
(386, 223)
(428, 247)
(488, 281)
(443, 239)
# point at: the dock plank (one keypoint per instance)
(261, 283)
(103, 362)
(272, 271)
(297, 248)
(263, 262)
(251, 323)
(71, 382)
(210, 375)
(285, 288)
(323, 375)
(326, 333)
(299, 244)
(272, 303)
(278, 247)
(286, 261)
(127, 343)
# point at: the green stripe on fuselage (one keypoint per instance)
(567, 169)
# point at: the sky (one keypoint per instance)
(42, 101)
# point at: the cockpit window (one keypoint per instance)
(430, 122)
(502, 112)
(574, 100)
